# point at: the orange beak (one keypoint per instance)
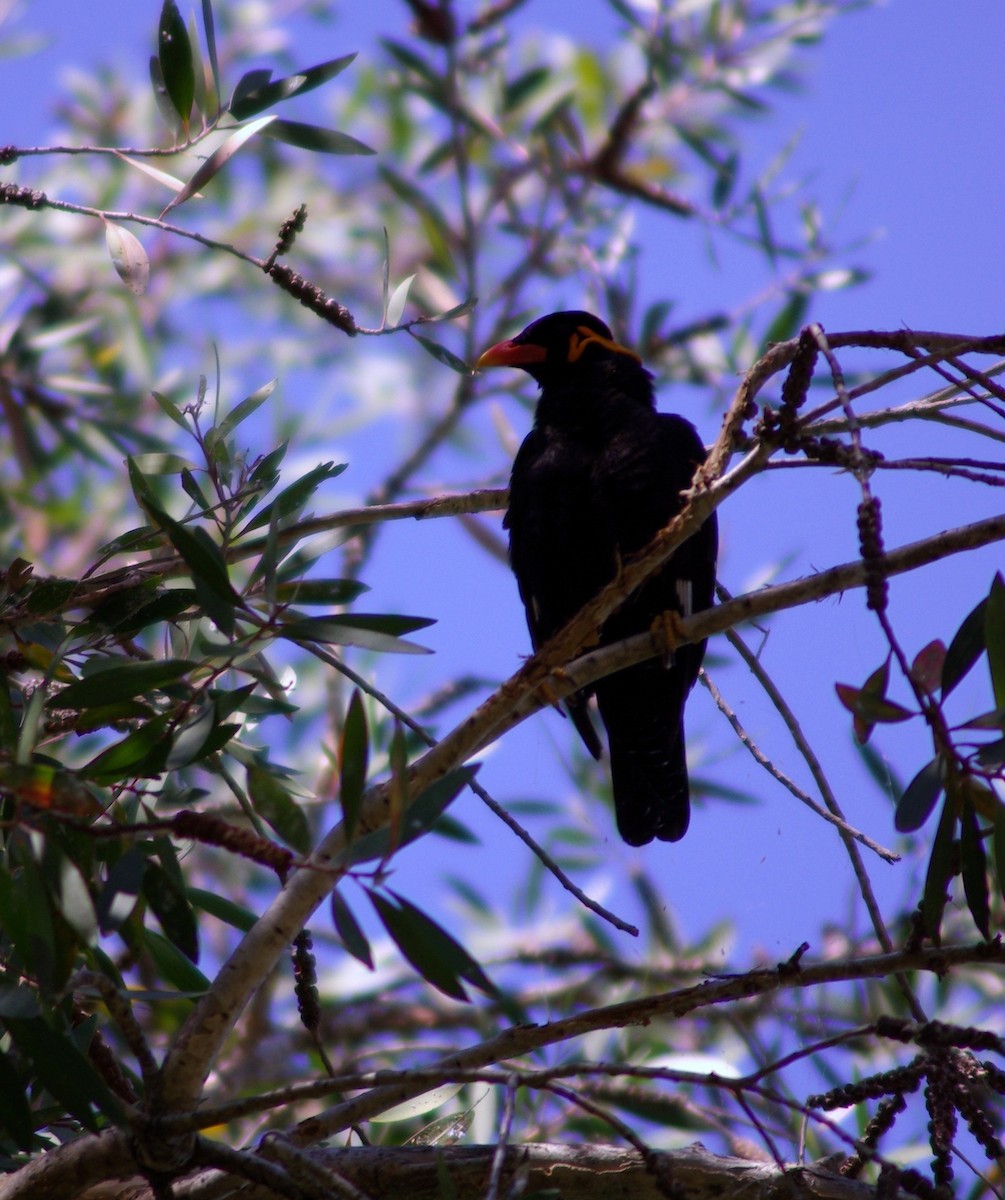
(511, 354)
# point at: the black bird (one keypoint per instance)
(599, 474)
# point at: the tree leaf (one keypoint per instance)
(940, 873)
(15, 1113)
(419, 818)
(128, 257)
(354, 749)
(209, 26)
(217, 160)
(275, 804)
(349, 930)
(434, 953)
(378, 632)
(442, 354)
(63, 1070)
(223, 909)
(170, 905)
(974, 868)
(965, 648)
(121, 679)
(918, 800)
(174, 52)
(396, 303)
(928, 666)
(315, 138)
(247, 406)
(249, 100)
(174, 966)
(994, 637)
(292, 499)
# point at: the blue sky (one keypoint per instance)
(902, 124)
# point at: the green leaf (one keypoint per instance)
(163, 464)
(64, 1071)
(329, 592)
(242, 411)
(210, 27)
(223, 909)
(994, 637)
(15, 1113)
(292, 499)
(974, 868)
(254, 97)
(377, 632)
(170, 905)
(349, 930)
(217, 160)
(965, 649)
(442, 354)
(315, 138)
(170, 409)
(419, 818)
(438, 957)
(178, 970)
(789, 319)
(121, 680)
(940, 873)
(249, 83)
(999, 845)
(174, 52)
(353, 758)
(918, 800)
(524, 86)
(142, 753)
(275, 805)
(117, 898)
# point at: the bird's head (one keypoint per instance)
(561, 346)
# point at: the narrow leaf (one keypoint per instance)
(63, 1070)
(965, 649)
(974, 867)
(994, 638)
(170, 905)
(918, 800)
(121, 680)
(349, 930)
(242, 411)
(430, 950)
(442, 354)
(274, 803)
(128, 257)
(315, 138)
(293, 498)
(377, 633)
(175, 57)
(940, 873)
(210, 27)
(217, 160)
(353, 758)
(396, 304)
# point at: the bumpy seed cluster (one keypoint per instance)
(870, 539)
(24, 197)
(305, 977)
(214, 831)
(312, 297)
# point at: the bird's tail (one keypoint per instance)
(643, 711)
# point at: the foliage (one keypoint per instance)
(175, 636)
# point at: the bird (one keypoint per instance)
(599, 474)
